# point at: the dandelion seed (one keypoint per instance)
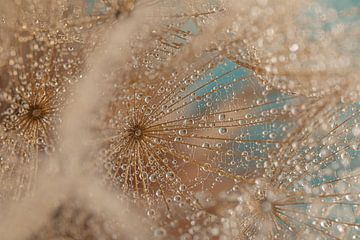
(158, 137)
(231, 120)
(304, 197)
(290, 47)
(43, 60)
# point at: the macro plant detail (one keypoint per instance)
(306, 189)
(159, 138)
(314, 191)
(167, 119)
(43, 58)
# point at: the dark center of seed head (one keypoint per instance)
(260, 195)
(36, 112)
(136, 132)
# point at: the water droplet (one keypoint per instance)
(221, 117)
(147, 99)
(205, 145)
(150, 212)
(223, 130)
(294, 47)
(356, 131)
(152, 178)
(170, 175)
(182, 132)
(158, 193)
(177, 198)
(159, 232)
(182, 187)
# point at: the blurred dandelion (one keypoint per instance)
(307, 189)
(43, 58)
(73, 221)
(299, 47)
(180, 21)
(213, 119)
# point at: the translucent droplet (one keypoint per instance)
(150, 212)
(182, 187)
(205, 145)
(356, 131)
(152, 178)
(170, 175)
(182, 132)
(221, 117)
(294, 47)
(147, 99)
(158, 193)
(159, 232)
(223, 130)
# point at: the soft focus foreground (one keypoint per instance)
(166, 119)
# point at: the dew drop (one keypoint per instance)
(152, 178)
(294, 47)
(223, 130)
(182, 132)
(170, 175)
(182, 187)
(159, 232)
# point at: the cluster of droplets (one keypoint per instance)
(168, 146)
(315, 201)
(240, 141)
(43, 60)
(300, 49)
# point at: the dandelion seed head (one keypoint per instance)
(226, 120)
(43, 59)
